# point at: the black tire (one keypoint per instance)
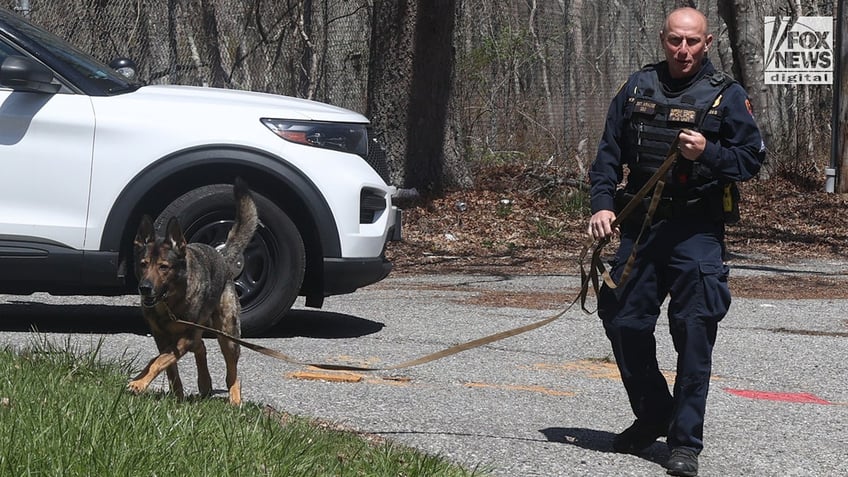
(274, 261)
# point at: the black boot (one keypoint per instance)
(639, 436)
(683, 462)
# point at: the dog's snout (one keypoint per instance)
(145, 288)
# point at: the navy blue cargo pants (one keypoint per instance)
(679, 258)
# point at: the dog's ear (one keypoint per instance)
(145, 233)
(174, 234)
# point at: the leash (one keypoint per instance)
(655, 185)
(406, 364)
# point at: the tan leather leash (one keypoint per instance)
(406, 364)
(655, 184)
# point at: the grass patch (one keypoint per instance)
(64, 412)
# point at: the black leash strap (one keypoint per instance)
(588, 278)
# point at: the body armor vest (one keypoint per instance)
(654, 118)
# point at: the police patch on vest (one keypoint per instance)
(682, 115)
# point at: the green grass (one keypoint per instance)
(64, 412)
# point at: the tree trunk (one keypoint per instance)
(211, 40)
(430, 95)
(173, 58)
(840, 102)
(745, 29)
(575, 111)
(308, 60)
(390, 78)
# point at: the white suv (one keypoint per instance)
(85, 152)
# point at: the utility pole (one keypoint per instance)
(839, 128)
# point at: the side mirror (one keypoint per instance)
(125, 66)
(25, 74)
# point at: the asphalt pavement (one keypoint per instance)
(544, 403)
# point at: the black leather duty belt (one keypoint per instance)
(667, 207)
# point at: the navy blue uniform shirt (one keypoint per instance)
(735, 157)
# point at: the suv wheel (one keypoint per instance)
(274, 261)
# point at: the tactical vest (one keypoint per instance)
(654, 120)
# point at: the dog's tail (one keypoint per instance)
(247, 219)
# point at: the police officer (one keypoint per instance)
(680, 255)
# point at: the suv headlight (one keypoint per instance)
(352, 138)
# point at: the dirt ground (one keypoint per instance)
(522, 222)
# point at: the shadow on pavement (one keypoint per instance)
(51, 318)
(601, 441)
(322, 324)
(108, 319)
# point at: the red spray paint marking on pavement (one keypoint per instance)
(802, 398)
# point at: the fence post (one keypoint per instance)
(839, 127)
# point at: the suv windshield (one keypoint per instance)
(89, 67)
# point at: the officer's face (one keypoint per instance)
(685, 41)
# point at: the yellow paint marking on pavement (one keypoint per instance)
(516, 387)
(599, 369)
(315, 374)
(591, 368)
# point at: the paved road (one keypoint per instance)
(545, 403)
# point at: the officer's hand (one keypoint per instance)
(600, 225)
(691, 144)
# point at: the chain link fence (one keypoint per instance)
(262, 45)
(532, 78)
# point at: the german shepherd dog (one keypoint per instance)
(192, 282)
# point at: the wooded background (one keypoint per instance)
(452, 86)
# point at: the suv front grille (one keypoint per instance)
(377, 157)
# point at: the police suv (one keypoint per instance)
(86, 152)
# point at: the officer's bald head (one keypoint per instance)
(685, 41)
(688, 15)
